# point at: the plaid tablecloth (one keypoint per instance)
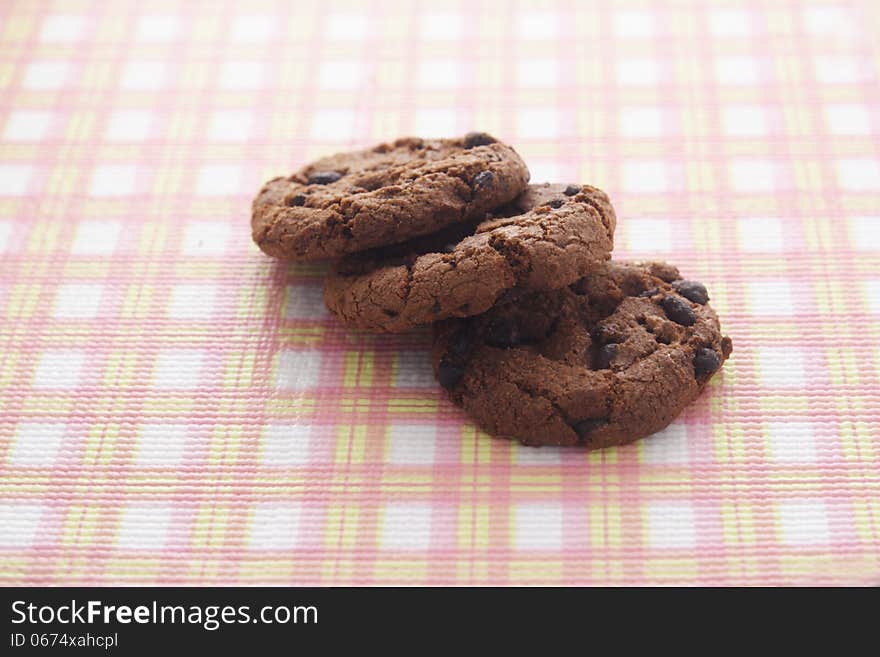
(176, 408)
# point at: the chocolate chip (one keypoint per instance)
(503, 333)
(692, 290)
(556, 203)
(678, 310)
(483, 179)
(299, 199)
(324, 177)
(448, 374)
(649, 293)
(473, 139)
(706, 361)
(585, 427)
(605, 334)
(571, 190)
(605, 355)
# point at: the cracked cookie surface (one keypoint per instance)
(605, 361)
(548, 237)
(383, 195)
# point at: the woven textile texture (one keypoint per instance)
(177, 408)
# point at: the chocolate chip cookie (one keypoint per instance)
(387, 194)
(605, 361)
(548, 237)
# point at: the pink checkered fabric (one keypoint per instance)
(176, 408)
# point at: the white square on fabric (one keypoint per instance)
(144, 527)
(532, 456)
(537, 73)
(438, 73)
(638, 122)
(671, 525)
(538, 526)
(745, 121)
(753, 176)
(538, 123)
(113, 180)
(27, 125)
(333, 125)
(219, 180)
(848, 119)
(828, 21)
(406, 526)
(63, 28)
(242, 76)
(231, 125)
(760, 235)
(343, 74)
(804, 522)
(858, 174)
(537, 25)
(36, 444)
(645, 176)
(286, 445)
(305, 301)
(5, 235)
(781, 367)
(412, 444)
(347, 26)
(737, 70)
(143, 76)
(838, 69)
(46, 75)
(275, 526)
(544, 169)
(178, 368)
(298, 370)
(206, 238)
(96, 237)
(864, 233)
(129, 125)
(791, 442)
(872, 294)
(441, 26)
(59, 368)
(649, 235)
(771, 297)
(434, 123)
(729, 23)
(640, 71)
(253, 27)
(192, 301)
(667, 447)
(15, 179)
(634, 24)
(161, 444)
(157, 28)
(77, 301)
(19, 522)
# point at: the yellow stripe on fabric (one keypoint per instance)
(80, 524)
(358, 369)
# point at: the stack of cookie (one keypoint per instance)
(538, 334)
